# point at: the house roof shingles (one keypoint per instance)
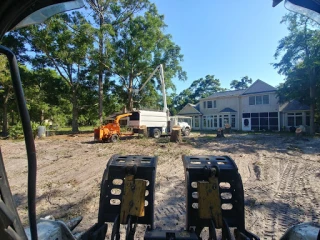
(259, 87)
(227, 110)
(226, 94)
(293, 105)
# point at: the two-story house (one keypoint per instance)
(254, 108)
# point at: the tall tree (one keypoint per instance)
(242, 84)
(63, 42)
(140, 45)
(302, 45)
(108, 15)
(15, 42)
(200, 88)
(46, 95)
(6, 91)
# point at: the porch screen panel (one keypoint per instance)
(264, 121)
(273, 121)
(255, 123)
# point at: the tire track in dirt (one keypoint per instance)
(276, 216)
(311, 203)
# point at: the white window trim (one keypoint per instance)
(262, 101)
(295, 115)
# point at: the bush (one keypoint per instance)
(16, 131)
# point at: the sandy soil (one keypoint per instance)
(280, 174)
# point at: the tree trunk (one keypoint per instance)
(130, 94)
(12, 117)
(5, 115)
(143, 131)
(130, 100)
(312, 101)
(220, 133)
(176, 134)
(100, 78)
(75, 126)
(42, 116)
(299, 132)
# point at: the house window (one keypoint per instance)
(258, 100)
(308, 119)
(298, 119)
(225, 119)
(215, 121)
(209, 121)
(214, 104)
(209, 103)
(291, 119)
(196, 121)
(252, 100)
(220, 121)
(294, 119)
(204, 122)
(233, 121)
(204, 104)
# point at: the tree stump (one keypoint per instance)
(299, 132)
(143, 131)
(176, 134)
(220, 133)
(227, 128)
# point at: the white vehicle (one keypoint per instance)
(184, 122)
(157, 123)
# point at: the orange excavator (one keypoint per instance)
(111, 131)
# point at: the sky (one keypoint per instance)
(225, 38)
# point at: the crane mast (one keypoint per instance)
(163, 87)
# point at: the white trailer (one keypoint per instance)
(156, 123)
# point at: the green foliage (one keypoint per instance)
(138, 47)
(34, 127)
(63, 43)
(16, 131)
(300, 62)
(242, 84)
(71, 56)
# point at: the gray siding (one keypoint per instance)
(228, 102)
(273, 105)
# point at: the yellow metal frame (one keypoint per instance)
(133, 198)
(209, 201)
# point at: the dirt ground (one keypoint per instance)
(280, 174)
